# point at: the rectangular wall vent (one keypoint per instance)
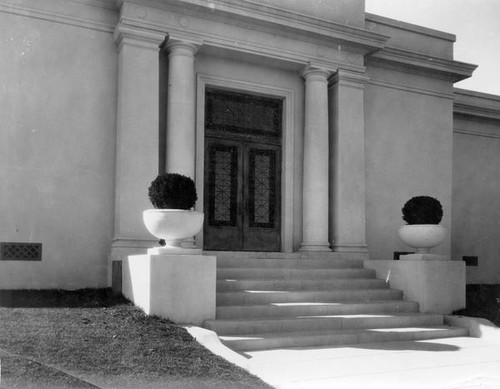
(20, 251)
(470, 260)
(397, 254)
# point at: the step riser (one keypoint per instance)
(274, 311)
(281, 263)
(313, 324)
(352, 283)
(340, 339)
(292, 274)
(249, 298)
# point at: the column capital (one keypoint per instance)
(310, 72)
(182, 47)
(138, 37)
(346, 77)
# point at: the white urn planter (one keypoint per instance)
(173, 225)
(422, 237)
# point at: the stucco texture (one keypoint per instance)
(476, 201)
(408, 146)
(57, 151)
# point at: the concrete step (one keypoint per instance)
(291, 274)
(275, 310)
(280, 284)
(280, 263)
(325, 322)
(256, 297)
(265, 341)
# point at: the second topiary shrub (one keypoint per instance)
(422, 210)
(172, 191)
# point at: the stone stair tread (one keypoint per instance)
(315, 317)
(278, 291)
(316, 322)
(306, 296)
(228, 285)
(339, 332)
(261, 341)
(290, 263)
(318, 308)
(292, 274)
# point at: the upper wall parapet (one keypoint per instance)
(417, 50)
(476, 105)
(411, 37)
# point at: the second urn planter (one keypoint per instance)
(173, 220)
(423, 232)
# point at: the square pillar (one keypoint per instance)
(347, 162)
(137, 134)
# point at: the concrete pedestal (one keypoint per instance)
(438, 286)
(173, 286)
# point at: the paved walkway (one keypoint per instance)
(443, 363)
(450, 363)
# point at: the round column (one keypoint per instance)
(316, 159)
(181, 109)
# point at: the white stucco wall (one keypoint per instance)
(58, 90)
(408, 143)
(476, 189)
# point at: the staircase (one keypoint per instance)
(267, 303)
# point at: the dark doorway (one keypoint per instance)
(242, 172)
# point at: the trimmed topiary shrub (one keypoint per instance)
(172, 191)
(422, 210)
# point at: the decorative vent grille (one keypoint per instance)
(20, 251)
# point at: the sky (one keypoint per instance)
(475, 23)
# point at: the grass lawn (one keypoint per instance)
(482, 302)
(89, 338)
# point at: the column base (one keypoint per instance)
(350, 248)
(315, 246)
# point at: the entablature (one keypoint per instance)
(251, 30)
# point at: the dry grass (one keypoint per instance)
(105, 341)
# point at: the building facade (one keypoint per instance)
(305, 125)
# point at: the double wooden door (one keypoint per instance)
(242, 195)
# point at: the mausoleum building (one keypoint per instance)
(305, 125)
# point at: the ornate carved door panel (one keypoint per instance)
(242, 196)
(242, 171)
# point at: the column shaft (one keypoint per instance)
(181, 109)
(348, 222)
(315, 181)
(137, 145)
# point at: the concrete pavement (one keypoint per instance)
(450, 363)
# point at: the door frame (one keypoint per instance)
(287, 157)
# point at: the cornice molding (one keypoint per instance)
(57, 18)
(275, 21)
(129, 20)
(476, 105)
(476, 133)
(400, 25)
(347, 78)
(138, 38)
(453, 70)
(411, 89)
(474, 111)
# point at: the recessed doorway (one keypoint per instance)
(242, 199)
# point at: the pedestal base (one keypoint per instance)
(438, 286)
(424, 257)
(178, 287)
